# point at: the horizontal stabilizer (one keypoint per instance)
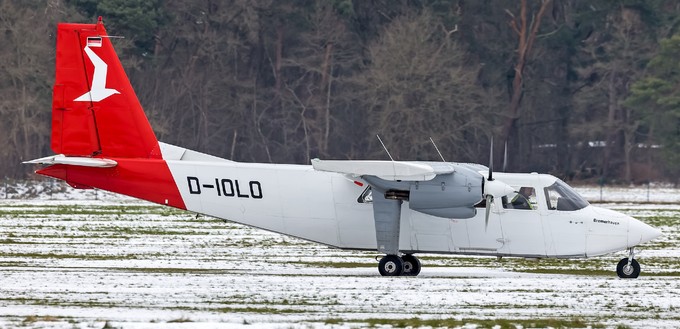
(75, 161)
(388, 170)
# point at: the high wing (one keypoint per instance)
(387, 170)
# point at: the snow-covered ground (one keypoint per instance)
(655, 193)
(85, 260)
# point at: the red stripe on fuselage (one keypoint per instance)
(146, 179)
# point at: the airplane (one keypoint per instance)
(102, 139)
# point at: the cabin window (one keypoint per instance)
(562, 197)
(524, 199)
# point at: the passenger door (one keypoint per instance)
(485, 239)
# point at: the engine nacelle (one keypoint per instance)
(448, 196)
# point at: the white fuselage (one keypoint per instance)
(299, 201)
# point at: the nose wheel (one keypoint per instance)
(393, 265)
(628, 268)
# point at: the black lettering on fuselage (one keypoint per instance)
(217, 183)
(226, 187)
(255, 189)
(238, 190)
(194, 186)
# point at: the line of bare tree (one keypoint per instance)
(571, 87)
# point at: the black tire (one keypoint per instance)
(411, 265)
(391, 265)
(628, 272)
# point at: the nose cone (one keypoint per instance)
(639, 232)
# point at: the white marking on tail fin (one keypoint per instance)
(99, 90)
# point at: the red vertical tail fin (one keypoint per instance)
(99, 125)
(95, 111)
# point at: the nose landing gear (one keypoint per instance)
(628, 268)
(393, 265)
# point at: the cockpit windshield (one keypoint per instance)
(561, 196)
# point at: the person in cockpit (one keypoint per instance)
(523, 198)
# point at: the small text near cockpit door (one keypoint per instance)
(563, 218)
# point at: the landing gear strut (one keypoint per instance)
(393, 265)
(628, 268)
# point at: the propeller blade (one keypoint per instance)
(491, 161)
(505, 157)
(489, 199)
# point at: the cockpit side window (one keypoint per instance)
(562, 197)
(524, 199)
(366, 196)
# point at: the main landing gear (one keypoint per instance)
(628, 268)
(393, 265)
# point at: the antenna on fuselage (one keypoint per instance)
(384, 147)
(436, 148)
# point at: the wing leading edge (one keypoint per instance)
(387, 170)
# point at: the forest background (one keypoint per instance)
(585, 90)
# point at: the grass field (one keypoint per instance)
(134, 265)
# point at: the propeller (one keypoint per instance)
(491, 162)
(505, 157)
(493, 188)
(488, 198)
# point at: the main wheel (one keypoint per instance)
(391, 265)
(626, 271)
(411, 265)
